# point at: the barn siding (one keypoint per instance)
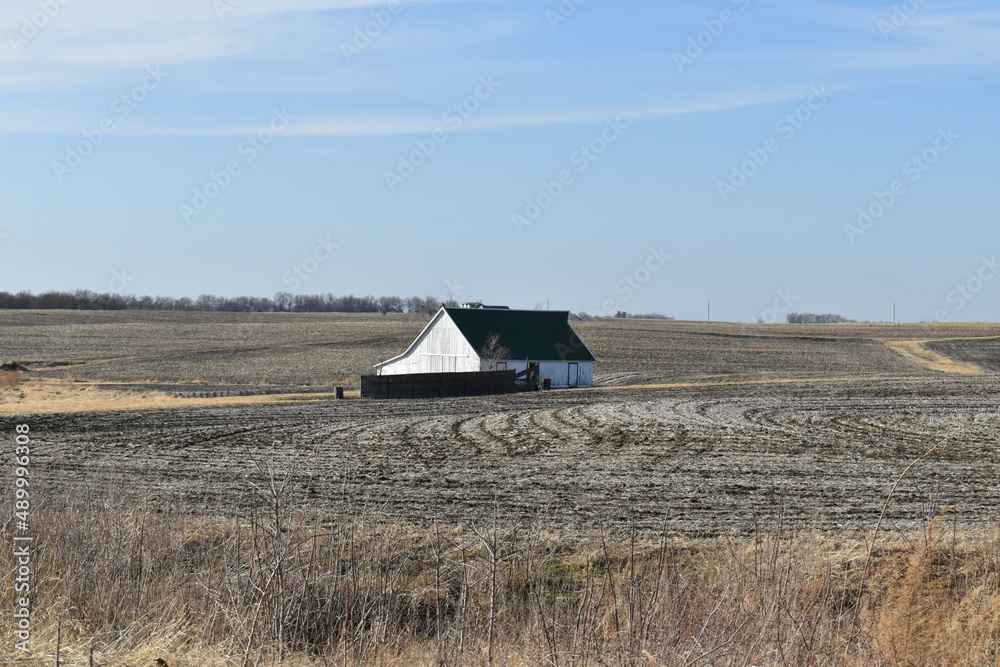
(442, 349)
(558, 371)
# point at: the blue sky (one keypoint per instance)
(597, 156)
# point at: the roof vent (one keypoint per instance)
(480, 304)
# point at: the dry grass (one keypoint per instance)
(39, 396)
(282, 585)
(10, 380)
(914, 350)
(983, 352)
(61, 397)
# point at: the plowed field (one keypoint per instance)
(747, 426)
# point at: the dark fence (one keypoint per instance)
(433, 385)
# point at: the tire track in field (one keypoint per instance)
(696, 464)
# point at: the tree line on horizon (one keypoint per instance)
(813, 318)
(281, 302)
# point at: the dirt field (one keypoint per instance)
(697, 461)
(260, 349)
(745, 426)
(209, 348)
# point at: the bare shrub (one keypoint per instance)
(492, 352)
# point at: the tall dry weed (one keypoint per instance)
(284, 584)
(936, 602)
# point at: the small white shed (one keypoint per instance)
(455, 339)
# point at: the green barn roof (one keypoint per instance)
(536, 335)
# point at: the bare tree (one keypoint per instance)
(414, 304)
(492, 352)
(283, 301)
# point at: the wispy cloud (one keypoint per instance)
(360, 125)
(858, 41)
(117, 34)
(266, 50)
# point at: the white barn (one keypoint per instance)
(454, 338)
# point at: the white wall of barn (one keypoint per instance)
(441, 349)
(558, 371)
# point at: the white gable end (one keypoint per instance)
(440, 348)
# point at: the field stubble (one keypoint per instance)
(754, 422)
(259, 349)
(699, 462)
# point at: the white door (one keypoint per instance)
(574, 375)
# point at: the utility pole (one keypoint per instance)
(709, 317)
(893, 312)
